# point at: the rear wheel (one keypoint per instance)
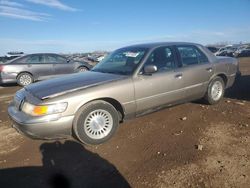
(24, 79)
(82, 69)
(215, 91)
(95, 122)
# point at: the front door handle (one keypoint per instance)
(178, 76)
(210, 69)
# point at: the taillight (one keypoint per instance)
(1, 68)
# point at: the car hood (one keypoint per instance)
(59, 86)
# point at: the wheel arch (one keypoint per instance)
(221, 75)
(79, 66)
(25, 72)
(224, 78)
(115, 103)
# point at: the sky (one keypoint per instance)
(69, 26)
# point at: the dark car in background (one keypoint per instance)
(34, 67)
(242, 52)
(212, 49)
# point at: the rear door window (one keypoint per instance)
(191, 55)
(55, 59)
(61, 59)
(51, 59)
(35, 59)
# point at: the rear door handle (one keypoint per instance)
(178, 76)
(210, 69)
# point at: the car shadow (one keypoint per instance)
(65, 165)
(240, 90)
(9, 85)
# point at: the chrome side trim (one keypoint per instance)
(169, 92)
(129, 102)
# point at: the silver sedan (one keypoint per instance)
(34, 67)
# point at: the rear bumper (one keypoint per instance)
(6, 78)
(54, 127)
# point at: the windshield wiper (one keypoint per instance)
(122, 72)
(111, 72)
(117, 72)
(96, 70)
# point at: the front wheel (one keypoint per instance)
(96, 122)
(215, 91)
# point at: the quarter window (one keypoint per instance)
(191, 55)
(61, 59)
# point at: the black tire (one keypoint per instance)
(24, 79)
(80, 125)
(209, 99)
(82, 69)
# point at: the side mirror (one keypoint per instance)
(150, 69)
(68, 60)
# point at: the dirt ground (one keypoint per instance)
(190, 145)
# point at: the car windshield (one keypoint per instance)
(123, 61)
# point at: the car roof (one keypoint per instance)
(158, 44)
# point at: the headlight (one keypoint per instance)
(41, 110)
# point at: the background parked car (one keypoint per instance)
(212, 49)
(242, 52)
(30, 68)
(226, 51)
(96, 57)
(100, 58)
(10, 56)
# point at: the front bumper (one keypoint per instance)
(46, 127)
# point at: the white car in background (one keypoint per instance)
(226, 51)
(100, 58)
